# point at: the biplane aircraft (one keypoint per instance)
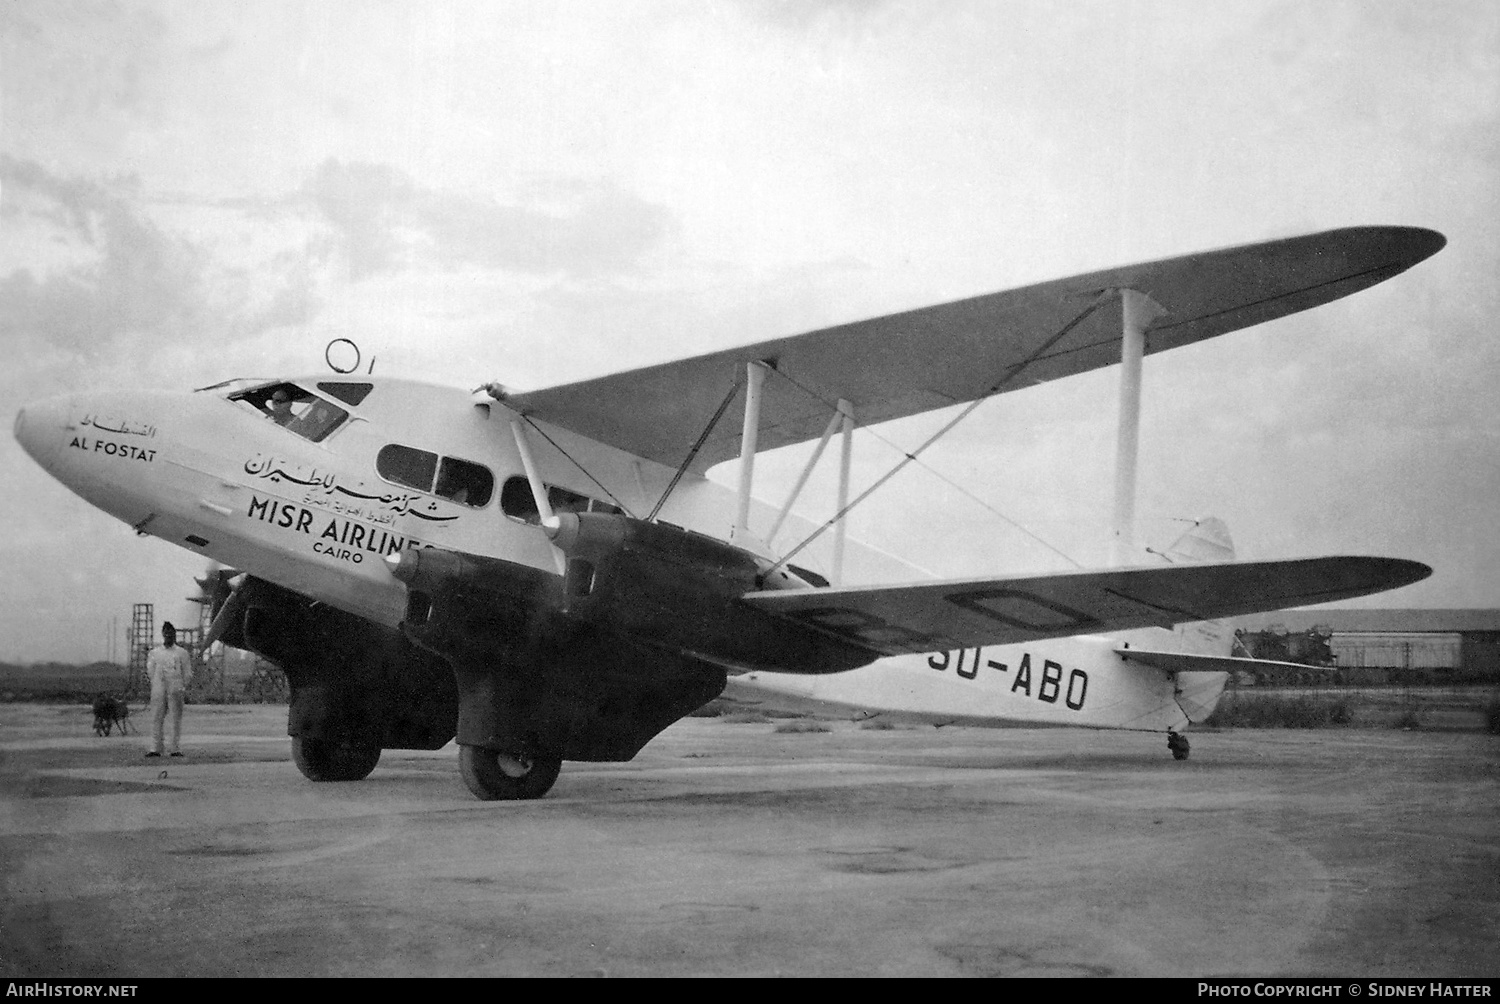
(549, 575)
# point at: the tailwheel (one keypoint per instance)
(333, 760)
(1178, 744)
(492, 775)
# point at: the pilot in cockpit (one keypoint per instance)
(280, 407)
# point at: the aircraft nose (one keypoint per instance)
(39, 429)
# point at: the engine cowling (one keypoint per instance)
(591, 665)
(661, 583)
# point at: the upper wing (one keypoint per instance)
(939, 616)
(902, 364)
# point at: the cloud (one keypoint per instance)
(802, 16)
(109, 270)
(68, 203)
(59, 310)
(124, 275)
(138, 277)
(365, 203)
(84, 63)
(387, 222)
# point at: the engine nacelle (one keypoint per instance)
(471, 607)
(683, 589)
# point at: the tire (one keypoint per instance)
(330, 760)
(481, 770)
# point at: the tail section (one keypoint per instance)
(1197, 692)
(1206, 652)
(1207, 540)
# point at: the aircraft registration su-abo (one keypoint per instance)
(549, 575)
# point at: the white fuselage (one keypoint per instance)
(1079, 681)
(212, 473)
(215, 476)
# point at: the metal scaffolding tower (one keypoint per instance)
(142, 636)
(208, 666)
(266, 683)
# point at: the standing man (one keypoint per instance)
(170, 667)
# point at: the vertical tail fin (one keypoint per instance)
(1207, 540)
(1198, 693)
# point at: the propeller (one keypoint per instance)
(221, 591)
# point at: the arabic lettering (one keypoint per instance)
(277, 470)
(327, 483)
(110, 423)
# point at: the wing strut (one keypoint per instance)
(1010, 374)
(538, 489)
(846, 455)
(807, 469)
(843, 418)
(755, 378)
(1137, 311)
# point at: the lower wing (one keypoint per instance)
(941, 616)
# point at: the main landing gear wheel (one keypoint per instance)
(1178, 744)
(492, 775)
(330, 760)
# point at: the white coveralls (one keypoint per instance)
(170, 670)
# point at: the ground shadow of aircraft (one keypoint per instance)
(548, 575)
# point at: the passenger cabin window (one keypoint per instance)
(456, 480)
(295, 409)
(517, 502)
(406, 466)
(464, 482)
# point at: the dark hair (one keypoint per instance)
(167, 626)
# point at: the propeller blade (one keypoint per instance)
(231, 607)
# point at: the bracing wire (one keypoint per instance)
(702, 438)
(1014, 371)
(586, 473)
(987, 507)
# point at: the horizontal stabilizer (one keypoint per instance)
(941, 616)
(1183, 662)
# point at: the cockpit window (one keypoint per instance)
(295, 409)
(349, 393)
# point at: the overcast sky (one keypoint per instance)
(538, 192)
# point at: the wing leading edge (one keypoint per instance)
(939, 616)
(906, 363)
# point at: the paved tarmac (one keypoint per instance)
(733, 849)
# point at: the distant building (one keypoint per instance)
(1374, 646)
